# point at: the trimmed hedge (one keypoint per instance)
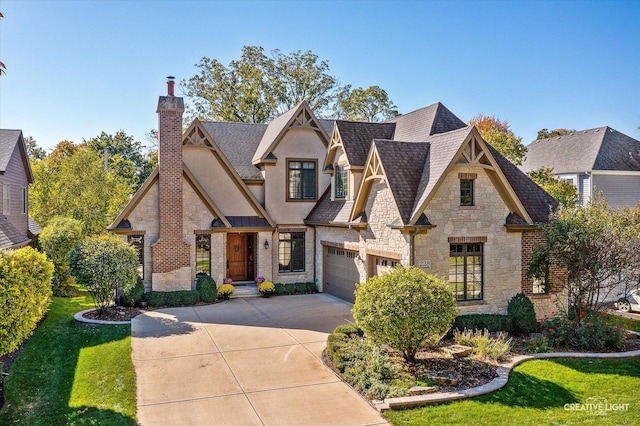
(348, 329)
(25, 290)
(173, 298)
(523, 314)
(206, 287)
(279, 289)
(492, 322)
(290, 288)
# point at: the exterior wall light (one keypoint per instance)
(266, 244)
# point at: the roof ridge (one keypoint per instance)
(435, 104)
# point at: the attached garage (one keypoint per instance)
(340, 272)
(380, 265)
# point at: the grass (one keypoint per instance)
(624, 322)
(536, 394)
(72, 373)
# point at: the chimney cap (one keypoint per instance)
(170, 77)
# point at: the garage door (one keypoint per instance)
(340, 273)
(383, 264)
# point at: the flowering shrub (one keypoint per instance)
(225, 290)
(259, 280)
(228, 281)
(266, 287)
(588, 331)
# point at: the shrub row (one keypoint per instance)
(295, 288)
(173, 298)
(25, 290)
(589, 332)
(520, 318)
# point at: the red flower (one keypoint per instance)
(557, 328)
(603, 313)
(550, 330)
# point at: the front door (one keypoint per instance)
(237, 257)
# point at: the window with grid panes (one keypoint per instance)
(203, 254)
(342, 182)
(137, 242)
(291, 252)
(466, 271)
(301, 180)
(466, 192)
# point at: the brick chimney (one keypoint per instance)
(171, 254)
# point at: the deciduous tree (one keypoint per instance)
(598, 248)
(72, 182)
(370, 104)
(561, 190)
(546, 133)
(499, 135)
(34, 152)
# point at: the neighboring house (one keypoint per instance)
(16, 228)
(335, 202)
(594, 160)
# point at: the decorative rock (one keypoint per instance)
(535, 335)
(423, 390)
(497, 334)
(458, 351)
(445, 377)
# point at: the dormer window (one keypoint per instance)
(341, 182)
(466, 188)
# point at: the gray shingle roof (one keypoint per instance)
(356, 138)
(403, 164)
(327, 211)
(238, 142)
(418, 125)
(595, 149)
(8, 141)
(272, 131)
(33, 226)
(9, 235)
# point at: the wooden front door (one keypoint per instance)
(237, 257)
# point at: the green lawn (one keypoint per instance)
(626, 323)
(536, 394)
(72, 373)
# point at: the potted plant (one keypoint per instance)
(226, 290)
(266, 288)
(259, 280)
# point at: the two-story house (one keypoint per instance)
(334, 202)
(16, 228)
(600, 160)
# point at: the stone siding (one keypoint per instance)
(309, 258)
(502, 254)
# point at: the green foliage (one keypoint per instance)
(538, 345)
(491, 322)
(34, 152)
(311, 287)
(135, 294)
(72, 182)
(364, 366)
(25, 290)
(590, 331)
(173, 298)
(560, 189)
(279, 289)
(349, 329)
(290, 288)
(156, 298)
(69, 373)
(597, 248)
(405, 309)
(206, 286)
(57, 240)
(103, 264)
(483, 345)
(499, 135)
(546, 133)
(523, 314)
(256, 88)
(189, 297)
(370, 104)
(623, 322)
(301, 288)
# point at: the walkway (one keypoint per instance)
(250, 361)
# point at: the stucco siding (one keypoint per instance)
(296, 144)
(215, 180)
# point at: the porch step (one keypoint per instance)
(246, 290)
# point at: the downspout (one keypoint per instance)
(315, 255)
(412, 247)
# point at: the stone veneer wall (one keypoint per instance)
(381, 212)
(294, 277)
(502, 254)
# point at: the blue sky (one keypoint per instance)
(76, 68)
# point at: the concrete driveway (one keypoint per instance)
(251, 361)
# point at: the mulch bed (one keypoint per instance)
(116, 313)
